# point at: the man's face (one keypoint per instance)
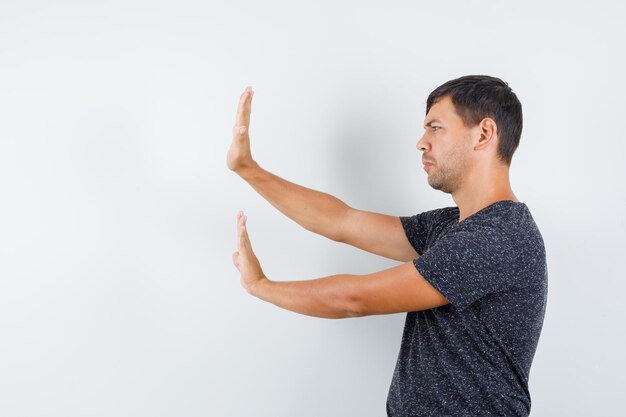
(447, 146)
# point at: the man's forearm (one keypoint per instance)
(329, 297)
(314, 210)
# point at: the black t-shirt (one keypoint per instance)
(472, 357)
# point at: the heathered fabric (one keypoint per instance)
(472, 357)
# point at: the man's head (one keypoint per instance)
(470, 121)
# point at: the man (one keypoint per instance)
(473, 279)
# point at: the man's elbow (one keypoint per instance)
(348, 297)
(352, 313)
(354, 306)
(348, 309)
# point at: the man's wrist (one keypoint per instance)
(256, 287)
(247, 171)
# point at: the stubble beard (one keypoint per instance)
(447, 177)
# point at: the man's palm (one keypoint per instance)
(239, 155)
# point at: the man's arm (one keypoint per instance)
(328, 297)
(315, 211)
(377, 233)
(395, 290)
(328, 216)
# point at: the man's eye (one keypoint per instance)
(436, 127)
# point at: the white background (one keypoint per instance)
(118, 296)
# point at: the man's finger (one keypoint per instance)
(244, 240)
(244, 109)
(244, 233)
(241, 248)
(237, 217)
(242, 236)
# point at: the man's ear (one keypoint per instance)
(488, 130)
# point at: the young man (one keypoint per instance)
(473, 279)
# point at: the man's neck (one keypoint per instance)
(481, 189)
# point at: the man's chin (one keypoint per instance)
(434, 184)
(438, 186)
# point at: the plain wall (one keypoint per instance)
(118, 296)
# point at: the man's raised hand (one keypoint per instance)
(244, 258)
(239, 155)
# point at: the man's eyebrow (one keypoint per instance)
(432, 121)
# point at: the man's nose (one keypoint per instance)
(422, 144)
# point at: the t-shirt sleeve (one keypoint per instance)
(465, 265)
(417, 228)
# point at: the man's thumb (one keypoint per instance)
(236, 259)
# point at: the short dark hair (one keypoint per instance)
(478, 96)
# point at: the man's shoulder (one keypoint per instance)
(507, 226)
(511, 231)
(430, 217)
(441, 214)
(505, 216)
